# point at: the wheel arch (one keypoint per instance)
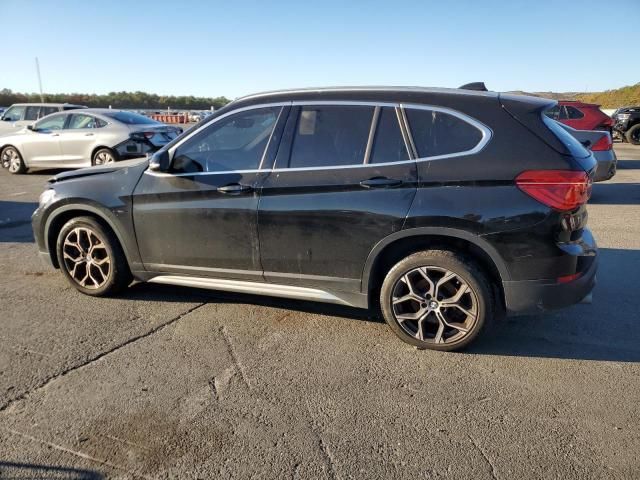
(400, 244)
(56, 220)
(7, 145)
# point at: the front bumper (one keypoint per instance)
(536, 296)
(38, 233)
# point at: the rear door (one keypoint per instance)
(78, 138)
(343, 180)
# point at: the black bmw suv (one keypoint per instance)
(442, 208)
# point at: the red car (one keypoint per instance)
(581, 116)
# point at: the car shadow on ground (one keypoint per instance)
(615, 194)
(29, 471)
(15, 221)
(604, 330)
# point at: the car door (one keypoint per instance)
(343, 180)
(200, 217)
(42, 146)
(78, 138)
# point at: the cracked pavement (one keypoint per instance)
(169, 382)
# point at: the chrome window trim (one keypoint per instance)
(487, 134)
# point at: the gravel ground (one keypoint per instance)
(165, 382)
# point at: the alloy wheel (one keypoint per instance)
(103, 158)
(86, 258)
(11, 159)
(434, 305)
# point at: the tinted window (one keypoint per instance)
(48, 110)
(438, 133)
(388, 145)
(130, 118)
(236, 142)
(32, 113)
(553, 112)
(81, 121)
(331, 135)
(574, 113)
(54, 122)
(13, 114)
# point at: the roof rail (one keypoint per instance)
(479, 86)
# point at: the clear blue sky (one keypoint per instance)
(231, 48)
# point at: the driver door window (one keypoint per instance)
(14, 114)
(234, 143)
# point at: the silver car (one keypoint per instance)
(83, 138)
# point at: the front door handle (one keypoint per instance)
(235, 188)
(88, 134)
(380, 182)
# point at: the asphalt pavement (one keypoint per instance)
(169, 382)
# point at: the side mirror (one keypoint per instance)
(160, 161)
(30, 127)
(6, 119)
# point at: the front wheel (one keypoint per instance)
(633, 135)
(436, 300)
(91, 258)
(12, 160)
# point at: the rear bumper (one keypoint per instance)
(536, 296)
(607, 164)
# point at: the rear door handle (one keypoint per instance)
(380, 182)
(235, 188)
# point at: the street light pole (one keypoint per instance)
(39, 80)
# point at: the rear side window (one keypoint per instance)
(388, 144)
(437, 133)
(331, 135)
(48, 111)
(32, 113)
(81, 121)
(573, 113)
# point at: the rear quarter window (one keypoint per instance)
(437, 133)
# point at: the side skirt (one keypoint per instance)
(357, 300)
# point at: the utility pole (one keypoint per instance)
(39, 80)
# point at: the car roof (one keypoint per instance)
(47, 105)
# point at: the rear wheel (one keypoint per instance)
(91, 258)
(436, 300)
(103, 156)
(12, 160)
(633, 135)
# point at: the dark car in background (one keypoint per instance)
(441, 208)
(627, 124)
(580, 115)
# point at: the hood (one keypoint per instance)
(86, 172)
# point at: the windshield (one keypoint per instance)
(130, 118)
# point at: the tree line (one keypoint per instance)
(117, 100)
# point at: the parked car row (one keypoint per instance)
(75, 138)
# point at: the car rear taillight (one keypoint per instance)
(559, 189)
(608, 122)
(604, 143)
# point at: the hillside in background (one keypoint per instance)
(117, 100)
(619, 97)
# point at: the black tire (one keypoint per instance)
(477, 299)
(633, 135)
(12, 160)
(104, 156)
(106, 278)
